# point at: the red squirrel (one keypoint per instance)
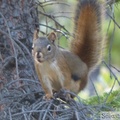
(61, 69)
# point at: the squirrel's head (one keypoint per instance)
(44, 48)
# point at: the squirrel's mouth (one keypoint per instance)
(39, 60)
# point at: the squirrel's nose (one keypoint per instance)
(39, 55)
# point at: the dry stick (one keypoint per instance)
(110, 2)
(111, 72)
(39, 104)
(64, 33)
(10, 114)
(115, 68)
(53, 2)
(54, 29)
(95, 90)
(29, 111)
(61, 15)
(46, 18)
(49, 2)
(62, 12)
(111, 44)
(39, 111)
(45, 14)
(108, 26)
(58, 16)
(114, 20)
(12, 41)
(32, 111)
(113, 83)
(51, 115)
(24, 114)
(76, 114)
(53, 18)
(47, 110)
(25, 57)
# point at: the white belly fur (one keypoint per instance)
(54, 66)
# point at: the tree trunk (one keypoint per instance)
(17, 22)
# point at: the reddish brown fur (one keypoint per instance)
(87, 43)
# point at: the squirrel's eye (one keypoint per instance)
(49, 48)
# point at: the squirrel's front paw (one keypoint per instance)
(48, 96)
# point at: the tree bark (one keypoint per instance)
(17, 22)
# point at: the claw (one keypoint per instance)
(48, 97)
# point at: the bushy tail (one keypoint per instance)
(88, 39)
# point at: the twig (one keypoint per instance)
(24, 114)
(10, 114)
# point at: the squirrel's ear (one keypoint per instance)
(35, 35)
(52, 36)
